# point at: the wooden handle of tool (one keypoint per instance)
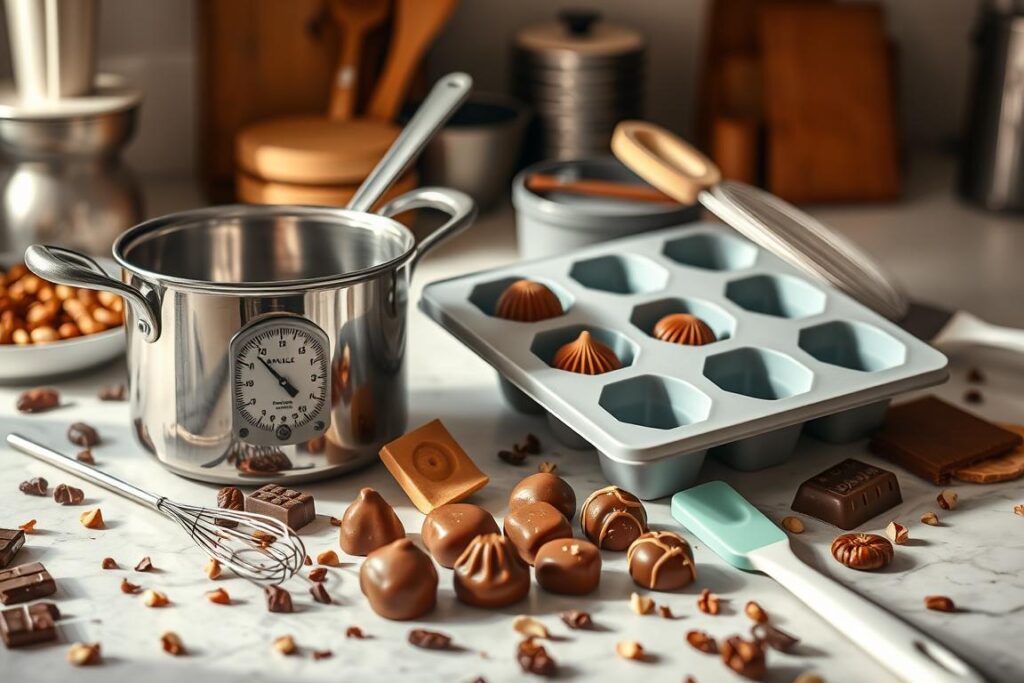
(542, 183)
(346, 77)
(664, 160)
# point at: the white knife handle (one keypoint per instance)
(965, 329)
(905, 651)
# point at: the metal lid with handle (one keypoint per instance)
(679, 170)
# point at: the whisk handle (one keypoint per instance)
(80, 469)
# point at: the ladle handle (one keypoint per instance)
(664, 160)
(444, 99)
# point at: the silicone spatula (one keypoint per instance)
(734, 529)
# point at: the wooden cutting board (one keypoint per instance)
(830, 114)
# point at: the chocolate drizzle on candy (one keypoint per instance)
(613, 518)
(661, 560)
(586, 356)
(528, 301)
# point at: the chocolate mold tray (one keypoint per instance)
(790, 354)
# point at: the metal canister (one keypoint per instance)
(581, 76)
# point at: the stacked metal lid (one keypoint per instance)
(581, 75)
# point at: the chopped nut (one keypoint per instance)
(700, 640)
(744, 657)
(973, 396)
(171, 644)
(930, 518)
(335, 521)
(318, 574)
(947, 499)
(939, 603)
(577, 619)
(808, 677)
(113, 392)
(328, 558)
(84, 654)
(354, 632)
(512, 457)
(308, 561)
(756, 612)
(212, 568)
(229, 498)
(152, 598)
(129, 587)
(285, 645)
(28, 527)
(320, 594)
(531, 445)
(773, 637)
(534, 659)
(641, 604)
(429, 640)
(82, 434)
(864, 552)
(322, 654)
(530, 627)
(36, 486)
(708, 603)
(219, 597)
(108, 563)
(86, 457)
(897, 533)
(793, 525)
(68, 495)
(144, 565)
(278, 600)
(665, 612)
(1018, 510)
(263, 537)
(629, 649)
(38, 400)
(547, 467)
(92, 519)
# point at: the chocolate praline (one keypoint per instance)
(613, 518)
(489, 573)
(399, 581)
(568, 566)
(661, 561)
(534, 524)
(369, 523)
(448, 529)
(544, 487)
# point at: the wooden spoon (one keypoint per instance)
(417, 23)
(355, 19)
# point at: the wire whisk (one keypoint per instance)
(258, 548)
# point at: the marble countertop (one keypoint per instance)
(975, 557)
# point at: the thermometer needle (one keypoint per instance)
(281, 379)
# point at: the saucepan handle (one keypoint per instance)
(460, 207)
(664, 160)
(71, 268)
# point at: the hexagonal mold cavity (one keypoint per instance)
(758, 373)
(626, 274)
(783, 296)
(711, 251)
(646, 316)
(656, 402)
(852, 345)
(486, 294)
(546, 344)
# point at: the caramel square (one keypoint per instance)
(431, 467)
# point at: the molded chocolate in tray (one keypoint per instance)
(790, 353)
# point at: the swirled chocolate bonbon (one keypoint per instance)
(490, 573)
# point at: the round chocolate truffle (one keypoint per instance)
(661, 561)
(613, 518)
(532, 525)
(544, 487)
(489, 573)
(448, 529)
(369, 523)
(568, 566)
(399, 580)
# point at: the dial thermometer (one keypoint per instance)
(281, 380)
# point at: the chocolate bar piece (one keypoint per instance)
(932, 438)
(294, 508)
(848, 494)
(25, 582)
(11, 541)
(29, 624)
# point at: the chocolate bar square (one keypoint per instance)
(29, 624)
(294, 508)
(848, 494)
(11, 541)
(25, 582)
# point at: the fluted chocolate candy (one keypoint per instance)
(569, 566)
(661, 561)
(534, 524)
(448, 529)
(399, 580)
(489, 573)
(369, 523)
(544, 487)
(613, 518)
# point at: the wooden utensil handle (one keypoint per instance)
(542, 183)
(664, 160)
(346, 76)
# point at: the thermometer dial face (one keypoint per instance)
(281, 381)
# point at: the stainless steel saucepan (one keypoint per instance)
(268, 341)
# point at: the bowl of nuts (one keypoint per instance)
(48, 330)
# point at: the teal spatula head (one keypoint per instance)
(725, 522)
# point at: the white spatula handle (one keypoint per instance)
(965, 329)
(898, 646)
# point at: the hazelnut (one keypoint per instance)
(328, 558)
(947, 499)
(92, 519)
(84, 654)
(530, 627)
(930, 518)
(577, 619)
(152, 598)
(897, 533)
(793, 525)
(865, 552)
(86, 456)
(219, 597)
(756, 612)
(745, 657)
(665, 612)
(641, 604)
(354, 632)
(939, 603)
(129, 587)
(212, 568)
(109, 563)
(629, 649)
(708, 603)
(28, 527)
(171, 644)
(1018, 510)
(700, 640)
(285, 645)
